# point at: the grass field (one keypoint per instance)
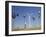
(26, 29)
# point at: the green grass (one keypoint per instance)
(26, 29)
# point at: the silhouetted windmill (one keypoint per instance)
(14, 16)
(24, 21)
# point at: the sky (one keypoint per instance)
(27, 11)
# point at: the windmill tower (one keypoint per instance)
(24, 21)
(28, 14)
(29, 21)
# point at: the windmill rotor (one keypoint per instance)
(39, 14)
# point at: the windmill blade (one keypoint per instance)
(33, 18)
(17, 14)
(13, 16)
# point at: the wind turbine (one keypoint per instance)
(39, 14)
(14, 16)
(29, 15)
(24, 21)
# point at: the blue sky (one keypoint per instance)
(25, 10)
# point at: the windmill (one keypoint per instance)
(14, 16)
(29, 15)
(39, 14)
(24, 21)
